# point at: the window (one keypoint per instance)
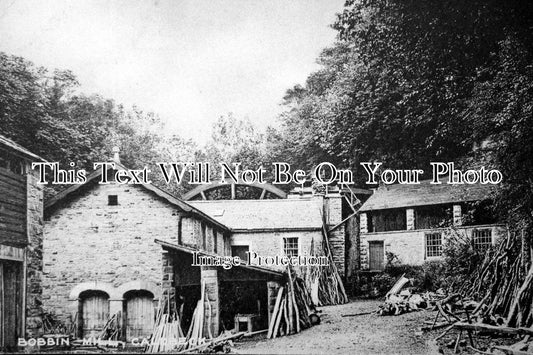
(436, 216)
(240, 251)
(387, 220)
(482, 239)
(290, 246)
(204, 236)
(112, 200)
(433, 244)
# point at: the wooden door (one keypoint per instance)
(95, 313)
(376, 253)
(139, 315)
(10, 304)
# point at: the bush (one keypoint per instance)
(459, 262)
(460, 258)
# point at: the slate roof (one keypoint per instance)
(423, 194)
(18, 149)
(188, 250)
(267, 215)
(72, 190)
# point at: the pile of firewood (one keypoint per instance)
(498, 300)
(324, 282)
(293, 310)
(504, 285)
(107, 338)
(112, 329)
(168, 335)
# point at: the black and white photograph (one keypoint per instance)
(266, 176)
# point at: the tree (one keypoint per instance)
(396, 87)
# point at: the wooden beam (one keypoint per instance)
(493, 328)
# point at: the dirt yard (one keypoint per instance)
(366, 334)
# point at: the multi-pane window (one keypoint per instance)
(290, 246)
(482, 238)
(433, 244)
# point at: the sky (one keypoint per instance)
(189, 61)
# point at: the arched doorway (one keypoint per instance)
(139, 314)
(94, 312)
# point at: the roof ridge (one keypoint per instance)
(185, 206)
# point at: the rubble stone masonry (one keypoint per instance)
(337, 238)
(34, 254)
(87, 240)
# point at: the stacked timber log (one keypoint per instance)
(168, 335)
(497, 300)
(324, 282)
(112, 328)
(293, 310)
(107, 338)
(504, 285)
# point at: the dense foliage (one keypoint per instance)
(401, 83)
(410, 82)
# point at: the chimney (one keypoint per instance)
(116, 156)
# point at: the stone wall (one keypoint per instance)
(271, 243)
(89, 241)
(210, 276)
(337, 238)
(34, 256)
(409, 246)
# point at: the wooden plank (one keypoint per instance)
(274, 313)
(2, 306)
(5, 218)
(12, 301)
(376, 255)
(13, 192)
(20, 215)
(16, 181)
(8, 184)
(278, 319)
(13, 238)
(9, 175)
(511, 350)
(139, 317)
(95, 313)
(9, 202)
(493, 328)
(16, 227)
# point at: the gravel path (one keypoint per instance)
(367, 334)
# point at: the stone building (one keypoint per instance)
(21, 235)
(411, 222)
(244, 289)
(100, 258)
(271, 227)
